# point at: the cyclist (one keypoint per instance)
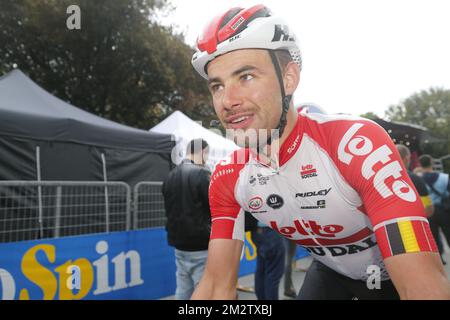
(335, 186)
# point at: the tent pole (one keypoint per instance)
(58, 211)
(38, 170)
(105, 179)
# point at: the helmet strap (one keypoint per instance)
(285, 99)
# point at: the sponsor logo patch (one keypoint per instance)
(341, 250)
(309, 227)
(238, 23)
(275, 201)
(320, 205)
(292, 147)
(308, 171)
(262, 180)
(255, 203)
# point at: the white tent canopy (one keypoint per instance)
(184, 129)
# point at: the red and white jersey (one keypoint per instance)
(341, 191)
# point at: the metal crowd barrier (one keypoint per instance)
(51, 209)
(148, 210)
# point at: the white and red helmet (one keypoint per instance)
(238, 28)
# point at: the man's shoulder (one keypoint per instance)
(227, 170)
(341, 136)
(443, 174)
(332, 128)
(237, 158)
(419, 183)
(430, 177)
(203, 172)
(185, 168)
(330, 118)
(197, 171)
(414, 177)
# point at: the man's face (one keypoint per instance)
(245, 90)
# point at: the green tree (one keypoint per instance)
(121, 64)
(369, 115)
(430, 109)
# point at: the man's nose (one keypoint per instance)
(232, 97)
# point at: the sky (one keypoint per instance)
(358, 56)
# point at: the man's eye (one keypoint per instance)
(215, 87)
(246, 77)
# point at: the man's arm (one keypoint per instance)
(419, 275)
(220, 277)
(370, 162)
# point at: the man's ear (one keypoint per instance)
(291, 77)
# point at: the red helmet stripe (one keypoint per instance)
(233, 25)
(208, 41)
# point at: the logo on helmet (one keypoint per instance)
(282, 31)
(238, 23)
(235, 37)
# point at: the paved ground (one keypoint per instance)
(298, 276)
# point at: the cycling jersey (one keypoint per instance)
(340, 191)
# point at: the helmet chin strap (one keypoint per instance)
(285, 99)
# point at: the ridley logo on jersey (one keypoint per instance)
(323, 192)
(308, 171)
(362, 146)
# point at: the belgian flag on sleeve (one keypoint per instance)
(404, 235)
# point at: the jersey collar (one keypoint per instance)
(292, 143)
(289, 146)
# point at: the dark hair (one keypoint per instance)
(284, 57)
(196, 145)
(425, 161)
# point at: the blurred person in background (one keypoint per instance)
(270, 262)
(421, 188)
(439, 186)
(291, 249)
(188, 224)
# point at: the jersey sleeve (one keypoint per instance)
(227, 217)
(370, 163)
